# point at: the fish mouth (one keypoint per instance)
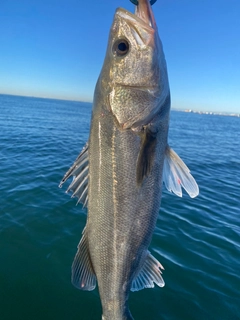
(143, 15)
(142, 23)
(152, 90)
(144, 12)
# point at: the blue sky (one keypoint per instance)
(55, 48)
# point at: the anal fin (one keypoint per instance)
(83, 276)
(148, 275)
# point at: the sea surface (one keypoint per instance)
(196, 240)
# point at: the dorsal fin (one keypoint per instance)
(83, 276)
(79, 171)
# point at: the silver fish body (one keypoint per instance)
(119, 173)
(124, 214)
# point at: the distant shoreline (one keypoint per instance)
(215, 113)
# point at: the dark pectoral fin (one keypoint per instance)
(146, 155)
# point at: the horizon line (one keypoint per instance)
(229, 113)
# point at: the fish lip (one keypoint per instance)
(144, 11)
(133, 18)
(151, 89)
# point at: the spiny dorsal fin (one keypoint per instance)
(83, 276)
(79, 171)
(177, 175)
(146, 155)
(148, 275)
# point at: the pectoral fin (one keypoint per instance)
(83, 276)
(148, 275)
(177, 175)
(79, 171)
(146, 155)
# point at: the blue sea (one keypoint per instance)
(196, 240)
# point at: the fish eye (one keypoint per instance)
(121, 47)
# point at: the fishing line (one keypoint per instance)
(136, 2)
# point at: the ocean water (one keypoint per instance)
(196, 240)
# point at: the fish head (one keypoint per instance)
(134, 74)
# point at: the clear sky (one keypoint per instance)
(55, 48)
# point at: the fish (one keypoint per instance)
(119, 173)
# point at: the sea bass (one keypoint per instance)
(119, 173)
